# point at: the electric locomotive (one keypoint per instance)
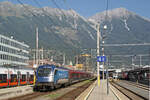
(50, 76)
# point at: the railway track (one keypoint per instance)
(127, 92)
(72, 95)
(73, 88)
(29, 96)
(145, 87)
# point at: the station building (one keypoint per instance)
(13, 52)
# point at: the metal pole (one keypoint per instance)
(42, 56)
(103, 71)
(36, 55)
(132, 63)
(37, 40)
(34, 58)
(64, 58)
(107, 75)
(140, 60)
(77, 60)
(98, 53)
(86, 63)
(103, 62)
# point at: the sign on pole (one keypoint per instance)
(101, 58)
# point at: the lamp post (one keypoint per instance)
(98, 64)
(105, 28)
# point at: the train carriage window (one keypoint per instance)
(31, 77)
(23, 78)
(3, 78)
(28, 76)
(13, 78)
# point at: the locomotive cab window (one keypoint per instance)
(44, 72)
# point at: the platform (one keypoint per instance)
(100, 92)
(6, 93)
(95, 92)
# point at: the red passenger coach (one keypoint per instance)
(3, 77)
(78, 75)
(23, 78)
(12, 73)
(14, 77)
(31, 77)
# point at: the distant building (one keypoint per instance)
(41, 62)
(83, 62)
(13, 52)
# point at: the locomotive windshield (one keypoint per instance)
(44, 72)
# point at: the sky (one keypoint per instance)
(89, 8)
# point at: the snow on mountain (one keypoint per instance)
(18, 8)
(114, 13)
(126, 26)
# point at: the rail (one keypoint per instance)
(127, 92)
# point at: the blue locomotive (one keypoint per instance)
(49, 77)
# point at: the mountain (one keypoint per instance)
(60, 30)
(67, 31)
(124, 27)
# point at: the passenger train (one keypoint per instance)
(50, 76)
(15, 76)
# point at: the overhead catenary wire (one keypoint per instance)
(26, 7)
(45, 12)
(71, 9)
(34, 15)
(106, 16)
(39, 22)
(119, 45)
(54, 2)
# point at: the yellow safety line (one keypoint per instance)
(99, 80)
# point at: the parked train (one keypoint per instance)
(50, 76)
(123, 75)
(141, 75)
(15, 76)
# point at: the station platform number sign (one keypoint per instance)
(101, 58)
